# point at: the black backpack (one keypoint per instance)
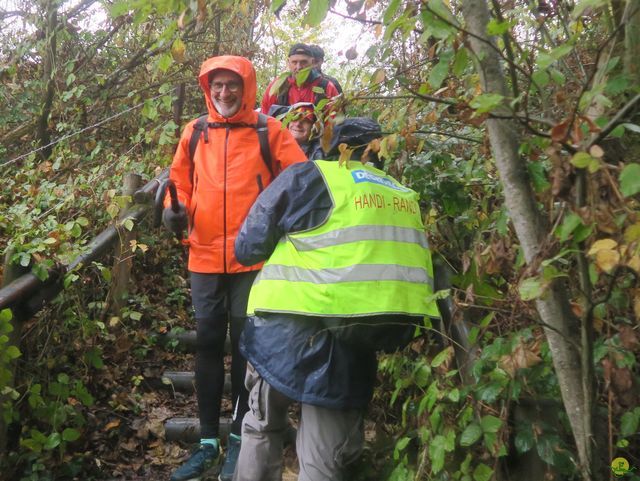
(356, 132)
(201, 128)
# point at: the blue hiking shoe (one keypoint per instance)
(230, 460)
(201, 460)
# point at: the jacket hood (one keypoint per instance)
(244, 68)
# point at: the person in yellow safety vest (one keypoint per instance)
(348, 272)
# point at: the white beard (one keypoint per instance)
(226, 109)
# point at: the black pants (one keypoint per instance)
(220, 304)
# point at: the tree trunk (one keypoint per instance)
(560, 325)
(48, 75)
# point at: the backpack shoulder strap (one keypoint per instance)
(263, 138)
(283, 94)
(199, 127)
(318, 96)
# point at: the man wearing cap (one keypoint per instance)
(293, 89)
(217, 182)
(318, 59)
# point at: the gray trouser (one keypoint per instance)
(328, 440)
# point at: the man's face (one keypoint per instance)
(226, 92)
(299, 61)
(301, 130)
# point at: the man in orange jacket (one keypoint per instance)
(217, 184)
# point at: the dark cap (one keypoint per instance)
(300, 49)
(317, 52)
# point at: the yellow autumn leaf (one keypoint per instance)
(607, 259)
(177, 50)
(345, 154)
(602, 244)
(634, 263)
(632, 233)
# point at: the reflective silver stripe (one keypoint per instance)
(360, 233)
(357, 273)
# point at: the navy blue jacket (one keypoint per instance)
(295, 354)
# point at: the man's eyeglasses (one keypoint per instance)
(232, 87)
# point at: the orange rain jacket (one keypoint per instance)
(227, 173)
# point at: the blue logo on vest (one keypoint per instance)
(365, 176)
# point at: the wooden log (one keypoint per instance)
(185, 382)
(188, 430)
(187, 340)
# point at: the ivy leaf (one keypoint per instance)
(317, 11)
(630, 180)
(524, 440)
(490, 424)
(470, 435)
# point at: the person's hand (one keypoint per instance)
(176, 222)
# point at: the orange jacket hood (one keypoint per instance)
(244, 68)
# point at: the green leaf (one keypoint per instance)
(630, 180)
(70, 434)
(629, 422)
(494, 27)
(470, 435)
(531, 288)
(5, 316)
(165, 61)
(439, 72)
(583, 160)
(454, 395)
(632, 127)
(486, 102)
(12, 352)
(422, 375)
(460, 62)
(275, 5)
(390, 12)
(53, 441)
(128, 224)
(569, 224)
(490, 424)
(540, 78)
(317, 11)
(136, 316)
(302, 76)
(584, 5)
(482, 472)
(437, 453)
(441, 357)
(524, 439)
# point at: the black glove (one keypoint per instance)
(176, 222)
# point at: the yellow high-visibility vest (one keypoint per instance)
(369, 257)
